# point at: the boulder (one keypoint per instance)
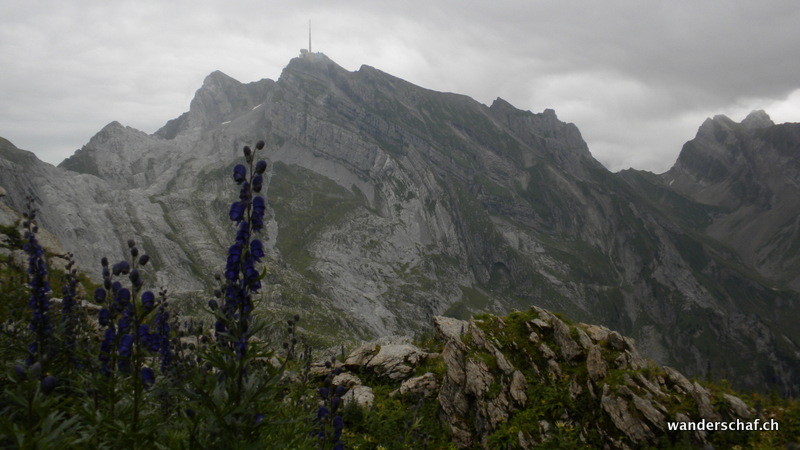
(361, 395)
(423, 385)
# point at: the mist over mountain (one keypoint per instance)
(390, 204)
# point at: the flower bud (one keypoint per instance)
(104, 317)
(131, 243)
(260, 145)
(143, 260)
(239, 173)
(19, 372)
(148, 376)
(48, 384)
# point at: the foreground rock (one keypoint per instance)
(534, 380)
(584, 383)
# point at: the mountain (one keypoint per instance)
(750, 172)
(390, 204)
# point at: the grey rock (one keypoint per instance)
(738, 406)
(394, 361)
(569, 348)
(595, 364)
(424, 385)
(360, 395)
(448, 328)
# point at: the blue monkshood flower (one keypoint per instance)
(258, 183)
(121, 268)
(250, 272)
(149, 341)
(257, 249)
(143, 260)
(148, 300)
(106, 347)
(39, 302)
(48, 384)
(123, 296)
(116, 286)
(340, 390)
(19, 372)
(338, 423)
(258, 418)
(213, 305)
(259, 207)
(219, 326)
(335, 402)
(324, 392)
(108, 340)
(100, 295)
(124, 322)
(239, 173)
(104, 317)
(136, 278)
(126, 345)
(236, 214)
(322, 412)
(245, 193)
(261, 166)
(148, 376)
(243, 233)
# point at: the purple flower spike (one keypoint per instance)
(239, 173)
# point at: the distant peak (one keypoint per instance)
(112, 125)
(757, 119)
(722, 118)
(218, 77)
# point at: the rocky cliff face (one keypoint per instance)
(750, 172)
(391, 203)
(533, 380)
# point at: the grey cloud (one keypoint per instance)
(636, 77)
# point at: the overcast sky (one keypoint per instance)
(636, 77)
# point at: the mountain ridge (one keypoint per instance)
(391, 203)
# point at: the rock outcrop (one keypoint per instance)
(532, 379)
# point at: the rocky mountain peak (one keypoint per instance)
(757, 119)
(219, 78)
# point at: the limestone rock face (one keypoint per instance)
(360, 395)
(390, 204)
(424, 385)
(478, 395)
(393, 361)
